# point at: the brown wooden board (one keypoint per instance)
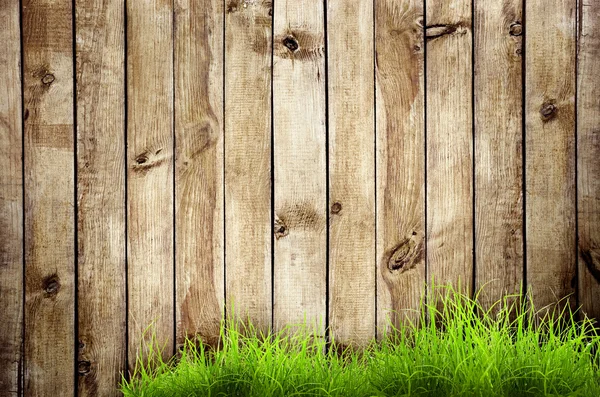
(100, 73)
(400, 161)
(588, 157)
(300, 184)
(150, 173)
(449, 142)
(49, 198)
(550, 149)
(498, 30)
(11, 201)
(351, 171)
(198, 28)
(248, 36)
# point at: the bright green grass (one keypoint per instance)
(466, 352)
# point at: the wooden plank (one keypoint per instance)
(498, 148)
(449, 142)
(550, 149)
(588, 157)
(400, 161)
(198, 28)
(150, 172)
(49, 198)
(248, 36)
(11, 202)
(100, 73)
(300, 224)
(351, 171)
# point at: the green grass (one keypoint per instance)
(511, 350)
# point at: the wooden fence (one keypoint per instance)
(160, 159)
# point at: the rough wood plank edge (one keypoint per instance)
(49, 198)
(100, 73)
(449, 143)
(300, 184)
(498, 148)
(351, 171)
(11, 202)
(588, 150)
(550, 150)
(248, 53)
(400, 161)
(150, 175)
(198, 28)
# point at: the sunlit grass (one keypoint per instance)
(510, 350)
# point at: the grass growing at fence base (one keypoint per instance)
(466, 351)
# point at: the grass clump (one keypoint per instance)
(456, 348)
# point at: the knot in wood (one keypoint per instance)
(84, 367)
(51, 285)
(548, 111)
(280, 229)
(291, 43)
(336, 207)
(515, 29)
(142, 159)
(48, 79)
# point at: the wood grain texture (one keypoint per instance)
(300, 184)
(199, 168)
(400, 161)
(498, 148)
(150, 172)
(449, 142)
(351, 171)
(100, 73)
(248, 36)
(11, 202)
(49, 198)
(588, 150)
(550, 149)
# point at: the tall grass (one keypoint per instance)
(456, 349)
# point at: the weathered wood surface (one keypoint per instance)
(11, 202)
(248, 37)
(498, 34)
(248, 152)
(300, 184)
(550, 149)
(448, 52)
(49, 204)
(198, 29)
(351, 171)
(150, 173)
(400, 161)
(100, 42)
(588, 151)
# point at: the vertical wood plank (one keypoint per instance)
(199, 168)
(100, 73)
(11, 201)
(49, 198)
(150, 172)
(351, 171)
(588, 150)
(299, 139)
(550, 149)
(400, 161)
(248, 36)
(449, 142)
(498, 148)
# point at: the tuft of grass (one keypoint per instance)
(457, 348)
